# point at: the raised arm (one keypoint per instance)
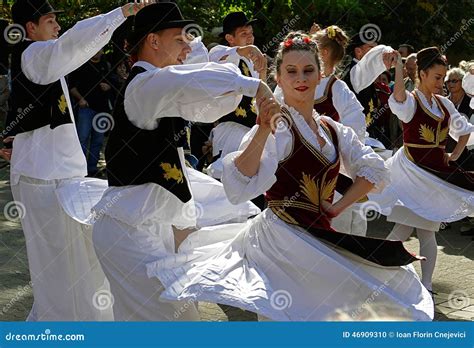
(44, 62)
(196, 92)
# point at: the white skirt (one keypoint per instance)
(283, 273)
(421, 192)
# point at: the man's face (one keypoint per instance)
(410, 65)
(46, 29)
(243, 36)
(403, 51)
(361, 51)
(173, 47)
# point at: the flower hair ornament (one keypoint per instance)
(298, 40)
(331, 31)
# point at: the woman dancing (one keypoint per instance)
(275, 256)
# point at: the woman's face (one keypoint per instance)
(298, 76)
(454, 83)
(433, 78)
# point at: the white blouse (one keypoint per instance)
(47, 153)
(346, 104)
(357, 159)
(458, 124)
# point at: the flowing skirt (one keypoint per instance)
(283, 273)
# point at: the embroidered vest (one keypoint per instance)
(324, 105)
(32, 105)
(245, 114)
(426, 135)
(296, 197)
(137, 156)
(370, 102)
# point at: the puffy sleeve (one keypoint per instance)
(405, 110)
(358, 159)
(240, 188)
(45, 62)
(364, 73)
(221, 53)
(458, 124)
(198, 54)
(349, 108)
(196, 92)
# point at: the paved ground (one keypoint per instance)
(453, 278)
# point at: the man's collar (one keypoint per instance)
(145, 65)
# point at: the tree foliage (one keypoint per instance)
(421, 23)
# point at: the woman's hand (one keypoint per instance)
(330, 210)
(268, 112)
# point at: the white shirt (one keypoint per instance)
(458, 124)
(195, 92)
(217, 53)
(366, 71)
(47, 153)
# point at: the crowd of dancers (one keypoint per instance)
(280, 209)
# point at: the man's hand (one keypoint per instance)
(390, 58)
(132, 8)
(314, 29)
(255, 55)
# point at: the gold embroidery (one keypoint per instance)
(172, 172)
(443, 134)
(368, 118)
(252, 108)
(62, 104)
(246, 70)
(282, 214)
(310, 189)
(328, 189)
(240, 112)
(427, 133)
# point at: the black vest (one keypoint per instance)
(368, 99)
(137, 156)
(32, 105)
(245, 114)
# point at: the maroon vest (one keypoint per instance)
(324, 105)
(424, 143)
(426, 135)
(304, 179)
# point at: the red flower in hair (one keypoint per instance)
(307, 40)
(288, 43)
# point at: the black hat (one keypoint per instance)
(235, 20)
(358, 40)
(24, 11)
(156, 17)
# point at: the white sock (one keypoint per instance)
(428, 249)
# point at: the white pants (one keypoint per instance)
(66, 276)
(124, 251)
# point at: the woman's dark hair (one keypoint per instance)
(429, 57)
(295, 41)
(335, 40)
